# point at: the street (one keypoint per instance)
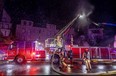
(57, 37)
(97, 69)
(44, 68)
(35, 68)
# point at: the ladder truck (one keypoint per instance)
(96, 53)
(50, 43)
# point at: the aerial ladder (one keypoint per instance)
(50, 43)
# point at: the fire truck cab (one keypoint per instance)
(22, 51)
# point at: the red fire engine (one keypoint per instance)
(22, 51)
(96, 53)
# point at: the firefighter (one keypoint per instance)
(59, 41)
(60, 48)
(62, 61)
(70, 56)
(86, 58)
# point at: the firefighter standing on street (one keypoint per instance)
(70, 56)
(59, 46)
(86, 58)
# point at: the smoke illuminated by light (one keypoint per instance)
(84, 10)
(82, 16)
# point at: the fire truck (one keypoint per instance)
(22, 51)
(96, 53)
(50, 43)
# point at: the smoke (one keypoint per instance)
(84, 9)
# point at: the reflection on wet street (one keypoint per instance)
(80, 69)
(95, 69)
(27, 69)
(44, 68)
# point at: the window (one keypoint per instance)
(39, 31)
(23, 30)
(24, 22)
(95, 31)
(30, 23)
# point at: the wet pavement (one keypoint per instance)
(31, 68)
(45, 68)
(80, 69)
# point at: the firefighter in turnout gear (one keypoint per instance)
(60, 48)
(86, 58)
(59, 42)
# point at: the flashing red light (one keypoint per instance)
(86, 49)
(33, 53)
(70, 46)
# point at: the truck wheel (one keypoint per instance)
(20, 59)
(56, 59)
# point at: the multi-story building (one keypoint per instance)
(1, 8)
(27, 32)
(5, 24)
(95, 34)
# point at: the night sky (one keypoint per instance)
(60, 12)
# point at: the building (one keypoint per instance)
(1, 8)
(95, 35)
(5, 24)
(25, 31)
